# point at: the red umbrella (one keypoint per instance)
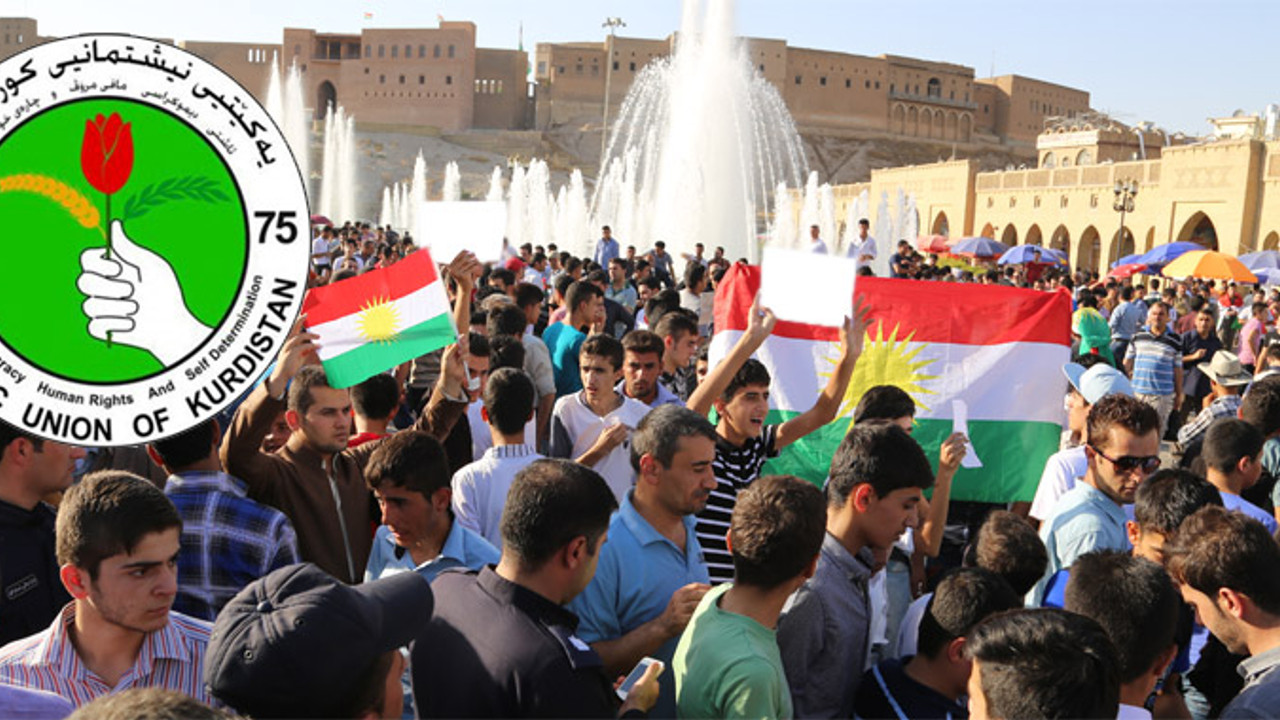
(1120, 272)
(933, 244)
(320, 220)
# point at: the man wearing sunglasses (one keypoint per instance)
(1121, 448)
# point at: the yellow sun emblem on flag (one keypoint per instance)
(886, 361)
(379, 321)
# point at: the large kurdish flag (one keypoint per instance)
(999, 349)
(372, 322)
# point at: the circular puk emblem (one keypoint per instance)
(159, 231)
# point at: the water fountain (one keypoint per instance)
(338, 171)
(452, 183)
(698, 146)
(284, 104)
(417, 188)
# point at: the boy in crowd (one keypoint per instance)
(727, 663)
(593, 425)
(877, 477)
(585, 305)
(930, 684)
(642, 363)
(375, 402)
(1135, 602)
(1045, 663)
(678, 329)
(228, 540)
(738, 388)
(118, 540)
(480, 488)
(1233, 463)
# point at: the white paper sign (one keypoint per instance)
(960, 424)
(805, 287)
(451, 227)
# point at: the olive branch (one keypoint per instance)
(189, 187)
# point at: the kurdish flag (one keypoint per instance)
(372, 322)
(999, 349)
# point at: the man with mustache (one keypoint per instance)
(651, 573)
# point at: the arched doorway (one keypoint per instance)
(1090, 250)
(1199, 229)
(913, 121)
(899, 120)
(988, 231)
(966, 125)
(1061, 240)
(941, 226)
(326, 96)
(1151, 240)
(1121, 246)
(1272, 241)
(1033, 236)
(1010, 235)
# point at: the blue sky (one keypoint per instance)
(1175, 62)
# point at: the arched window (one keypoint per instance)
(382, 51)
(450, 51)
(422, 51)
(435, 52)
(934, 88)
(395, 51)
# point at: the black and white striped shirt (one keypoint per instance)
(735, 468)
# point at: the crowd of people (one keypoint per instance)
(509, 526)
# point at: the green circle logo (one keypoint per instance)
(159, 245)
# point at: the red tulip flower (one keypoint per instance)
(106, 157)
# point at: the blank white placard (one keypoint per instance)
(805, 287)
(451, 227)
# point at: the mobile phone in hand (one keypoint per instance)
(634, 676)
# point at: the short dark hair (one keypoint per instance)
(776, 530)
(300, 397)
(188, 447)
(884, 402)
(528, 294)
(375, 397)
(151, 703)
(642, 342)
(477, 344)
(1008, 546)
(963, 599)
(1133, 600)
(551, 502)
(600, 277)
(659, 433)
(506, 351)
(1227, 441)
(506, 319)
(509, 396)
(503, 275)
(880, 454)
(605, 346)
(411, 460)
(581, 292)
(1046, 663)
(694, 273)
(9, 433)
(1168, 497)
(108, 513)
(752, 372)
(562, 284)
(1215, 548)
(1261, 406)
(1126, 292)
(1125, 411)
(659, 306)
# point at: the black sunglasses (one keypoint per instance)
(1129, 463)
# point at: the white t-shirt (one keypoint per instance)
(575, 427)
(318, 246)
(1061, 472)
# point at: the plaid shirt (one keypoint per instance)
(171, 658)
(1225, 406)
(228, 540)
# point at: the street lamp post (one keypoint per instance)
(612, 24)
(1125, 192)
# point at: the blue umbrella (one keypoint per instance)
(1128, 260)
(1267, 276)
(1261, 260)
(1027, 253)
(983, 247)
(1167, 253)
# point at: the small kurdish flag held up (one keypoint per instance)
(372, 322)
(998, 349)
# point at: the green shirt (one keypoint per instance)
(728, 666)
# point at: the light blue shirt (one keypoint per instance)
(1239, 504)
(664, 396)
(1085, 520)
(606, 250)
(1127, 320)
(639, 569)
(462, 548)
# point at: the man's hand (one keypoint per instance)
(299, 349)
(453, 369)
(644, 694)
(133, 297)
(611, 438)
(953, 451)
(681, 606)
(465, 269)
(761, 321)
(855, 329)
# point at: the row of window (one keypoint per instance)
(422, 79)
(488, 87)
(257, 55)
(450, 51)
(8, 38)
(407, 94)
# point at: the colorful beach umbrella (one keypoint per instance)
(1211, 265)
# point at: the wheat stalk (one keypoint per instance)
(72, 200)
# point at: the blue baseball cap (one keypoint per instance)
(1097, 382)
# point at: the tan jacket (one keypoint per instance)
(329, 507)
